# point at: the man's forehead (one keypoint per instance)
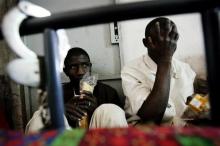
(80, 58)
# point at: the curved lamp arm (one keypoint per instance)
(24, 70)
(11, 24)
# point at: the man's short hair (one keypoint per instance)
(76, 51)
(161, 20)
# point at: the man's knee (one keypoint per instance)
(108, 115)
(110, 109)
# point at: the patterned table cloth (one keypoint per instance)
(131, 136)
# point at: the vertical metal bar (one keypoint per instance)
(211, 28)
(54, 88)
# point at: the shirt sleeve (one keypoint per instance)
(135, 91)
(189, 78)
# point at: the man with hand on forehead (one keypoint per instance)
(156, 84)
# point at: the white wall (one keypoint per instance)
(94, 39)
(190, 45)
(105, 56)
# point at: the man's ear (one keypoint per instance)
(65, 71)
(90, 69)
(144, 42)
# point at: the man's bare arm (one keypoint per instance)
(164, 44)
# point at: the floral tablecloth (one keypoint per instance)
(131, 136)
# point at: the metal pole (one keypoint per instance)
(54, 88)
(211, 29)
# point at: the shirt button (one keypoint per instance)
(168, 105)
(176, 75)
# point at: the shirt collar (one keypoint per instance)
(150, 63)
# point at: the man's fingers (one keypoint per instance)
(84, 107)
(84, 104)
(174, 34)
(167, 28)
(86, 92)
(72, 118)
(74, 99)
(74, 115)
(150, 42)
(88, 103)
(176, 37)
(75, 111)
(157, 28)
(88, 99)
(81, 112)
(69, 107)
(157, 36)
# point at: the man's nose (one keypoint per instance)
(80, 71)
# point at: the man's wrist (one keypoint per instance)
(164, 61)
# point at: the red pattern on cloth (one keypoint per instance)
(131, 136)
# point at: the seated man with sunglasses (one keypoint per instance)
(102, 107)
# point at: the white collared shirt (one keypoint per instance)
(138, 79)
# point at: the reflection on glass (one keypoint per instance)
(131, 47)
(108, 59)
